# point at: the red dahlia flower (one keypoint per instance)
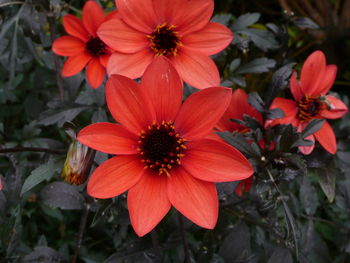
(179, 30)
(311, 102)
(163, 155)
(238, 107)
(83, 46)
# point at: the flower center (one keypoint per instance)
(309, 107)
(95, 47)
(160, 147)
(164, 40)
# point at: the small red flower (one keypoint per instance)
(82, 45)
(239, 107)
(179, 30)
(311, 102)
(163, 155)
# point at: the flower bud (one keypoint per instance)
(79, 158)
(78, 163)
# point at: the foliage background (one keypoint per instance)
(300, 216)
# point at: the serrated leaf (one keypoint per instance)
(256, 102)
(40, 174)
(245, 20)
(326, 179)
(262, 39)
(257, 66)
(63, 196)
(279, 80)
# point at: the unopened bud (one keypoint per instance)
(78, 163)
(79, 159)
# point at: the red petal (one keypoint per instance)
(75, 64)
(337, 108)
(108, 138)
(163, 85)
(214, 161)
(138, 14)
(104, 60)
(188, 16)
(326, 137)
(128, 104)
(295, 87)
(312, 73)
(195, 199)
(196, 69)
(327, 80)
(210, 40)
(93, 17)
(238, 107)
(75, 27)
(201, 111)
(306, 150)
(119, 36)
(95, 73)
(148, 202)
(112, 15)
(68, 46)
(289, 108)
(115, 176)
(129, 65)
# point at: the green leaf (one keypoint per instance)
(42, 173)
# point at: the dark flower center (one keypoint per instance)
(160, 147)
(309, 107)
(164, 40)
(95, 47)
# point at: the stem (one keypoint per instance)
(59, 81)
(32, 149)
(184, 240)
(82, 227)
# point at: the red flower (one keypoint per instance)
(83, 46)
(311, 102)
(179, 30)
(163, 157)
(238, 107)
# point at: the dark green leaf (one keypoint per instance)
(245, 20)
(236, 246)
(280, 79)
(312, 127)
(257, 66)
(308, 196)
(62, 195)
(281, 255)
(42, 173)
(255, 100)
(305, 23)
(326, 178)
